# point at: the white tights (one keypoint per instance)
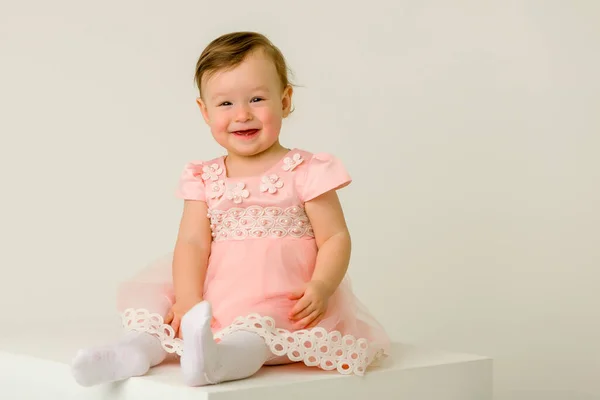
(238, 355)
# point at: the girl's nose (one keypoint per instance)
(243, 114)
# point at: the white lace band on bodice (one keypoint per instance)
(314, 347)
(259, 222)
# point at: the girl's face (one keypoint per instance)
(244, 106)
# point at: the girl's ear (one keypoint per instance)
(203, 109)
(286, 100)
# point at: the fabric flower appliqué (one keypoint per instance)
(270, 184)
(216, 189)
(211, 172)
(237, 193)
(289, 163)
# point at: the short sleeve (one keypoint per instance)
(324, 173)
(191, 185)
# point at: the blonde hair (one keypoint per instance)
(229, 50)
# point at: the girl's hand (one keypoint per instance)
(179, 309)
(311, 305)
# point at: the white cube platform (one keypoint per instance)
(35, 365)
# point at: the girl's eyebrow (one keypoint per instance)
(218, 94)
(260, 88)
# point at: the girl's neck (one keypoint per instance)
(239, 166)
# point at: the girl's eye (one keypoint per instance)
(257, 99)
(225, 103)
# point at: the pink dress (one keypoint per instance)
(263, 248)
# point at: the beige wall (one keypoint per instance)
(471, 128)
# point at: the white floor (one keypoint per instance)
(36, 366)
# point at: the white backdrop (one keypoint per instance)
(471, 128)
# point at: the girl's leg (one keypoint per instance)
(238, 355)
(133, 355)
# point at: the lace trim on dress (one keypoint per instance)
(314, 347)
(142, 320)
(259, 222)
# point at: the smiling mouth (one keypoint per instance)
(246, 133)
